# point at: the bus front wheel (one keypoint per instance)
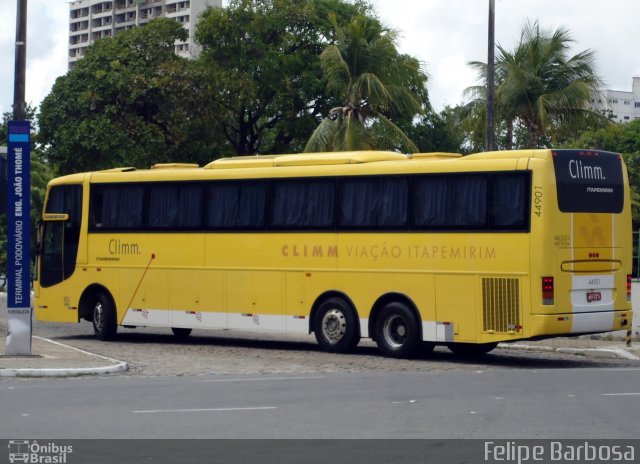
(396, 330)
(335, 326)
(104, 318)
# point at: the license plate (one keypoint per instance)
(593, 296)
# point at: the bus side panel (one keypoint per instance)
(144, 297)
(457, 309)
(254, 300)
(197, 299)
(60, 304)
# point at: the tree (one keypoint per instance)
(539, 87)
(261, 59)
(129, 101)
(436, 132)
(373, 83)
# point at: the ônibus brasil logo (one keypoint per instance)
(33, 452)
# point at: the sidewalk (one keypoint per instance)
(53, 359)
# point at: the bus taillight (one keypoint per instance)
(628, 287)
(547, 291)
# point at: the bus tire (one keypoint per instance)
(104, 317)
(471, 350)
(180, 332)
(396, 330)
(335, 326)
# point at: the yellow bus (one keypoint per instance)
(412, 251)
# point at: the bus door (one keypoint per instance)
(590, 187)
(60, 234)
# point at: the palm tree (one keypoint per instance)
(541, 87)
(372, 82)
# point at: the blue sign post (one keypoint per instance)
(19, 239)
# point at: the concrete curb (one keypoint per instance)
(596, 352)
(119, 366)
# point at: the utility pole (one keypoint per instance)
(19, 105)
(490, 134)
(19, 308)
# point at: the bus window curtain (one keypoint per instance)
(508, 201)
(393, 196)
(174, 206)
(163, 206)
(443, 202)
(358, 202)
(373, 202)
(236, 205)
(303, 204)
(122, 207)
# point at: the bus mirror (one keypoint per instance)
(55, 217)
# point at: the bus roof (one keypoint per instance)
(310, 164)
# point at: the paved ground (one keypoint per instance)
(156, 352)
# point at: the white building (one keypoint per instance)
(624, 106)
(91, 20)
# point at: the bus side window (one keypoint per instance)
(303, 203)
(174, 206)
(450, 202)
(509, 195)
(117, 206)
(236, 205)
(373, 202)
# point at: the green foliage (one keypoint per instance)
(129, 101)
(261, 59)
(539, 87)
(373, 84)
(434, 132)
(618, 138)
(258, 86)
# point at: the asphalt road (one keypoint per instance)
(513, 403)
(229, 385)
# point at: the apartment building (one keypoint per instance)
(624, 106)
(91, 20)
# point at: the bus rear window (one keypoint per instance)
(589, 181)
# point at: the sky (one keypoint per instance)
(443, 34)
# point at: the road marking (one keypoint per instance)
(261, 408)
(621, 394)
(265, 379)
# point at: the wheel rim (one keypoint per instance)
(334, 325)
(395, 331)
(98, 316)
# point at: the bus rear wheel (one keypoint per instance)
(396, 331)
(335, 326)
(472, 350)
(104, 318)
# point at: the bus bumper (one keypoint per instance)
(581, 323)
